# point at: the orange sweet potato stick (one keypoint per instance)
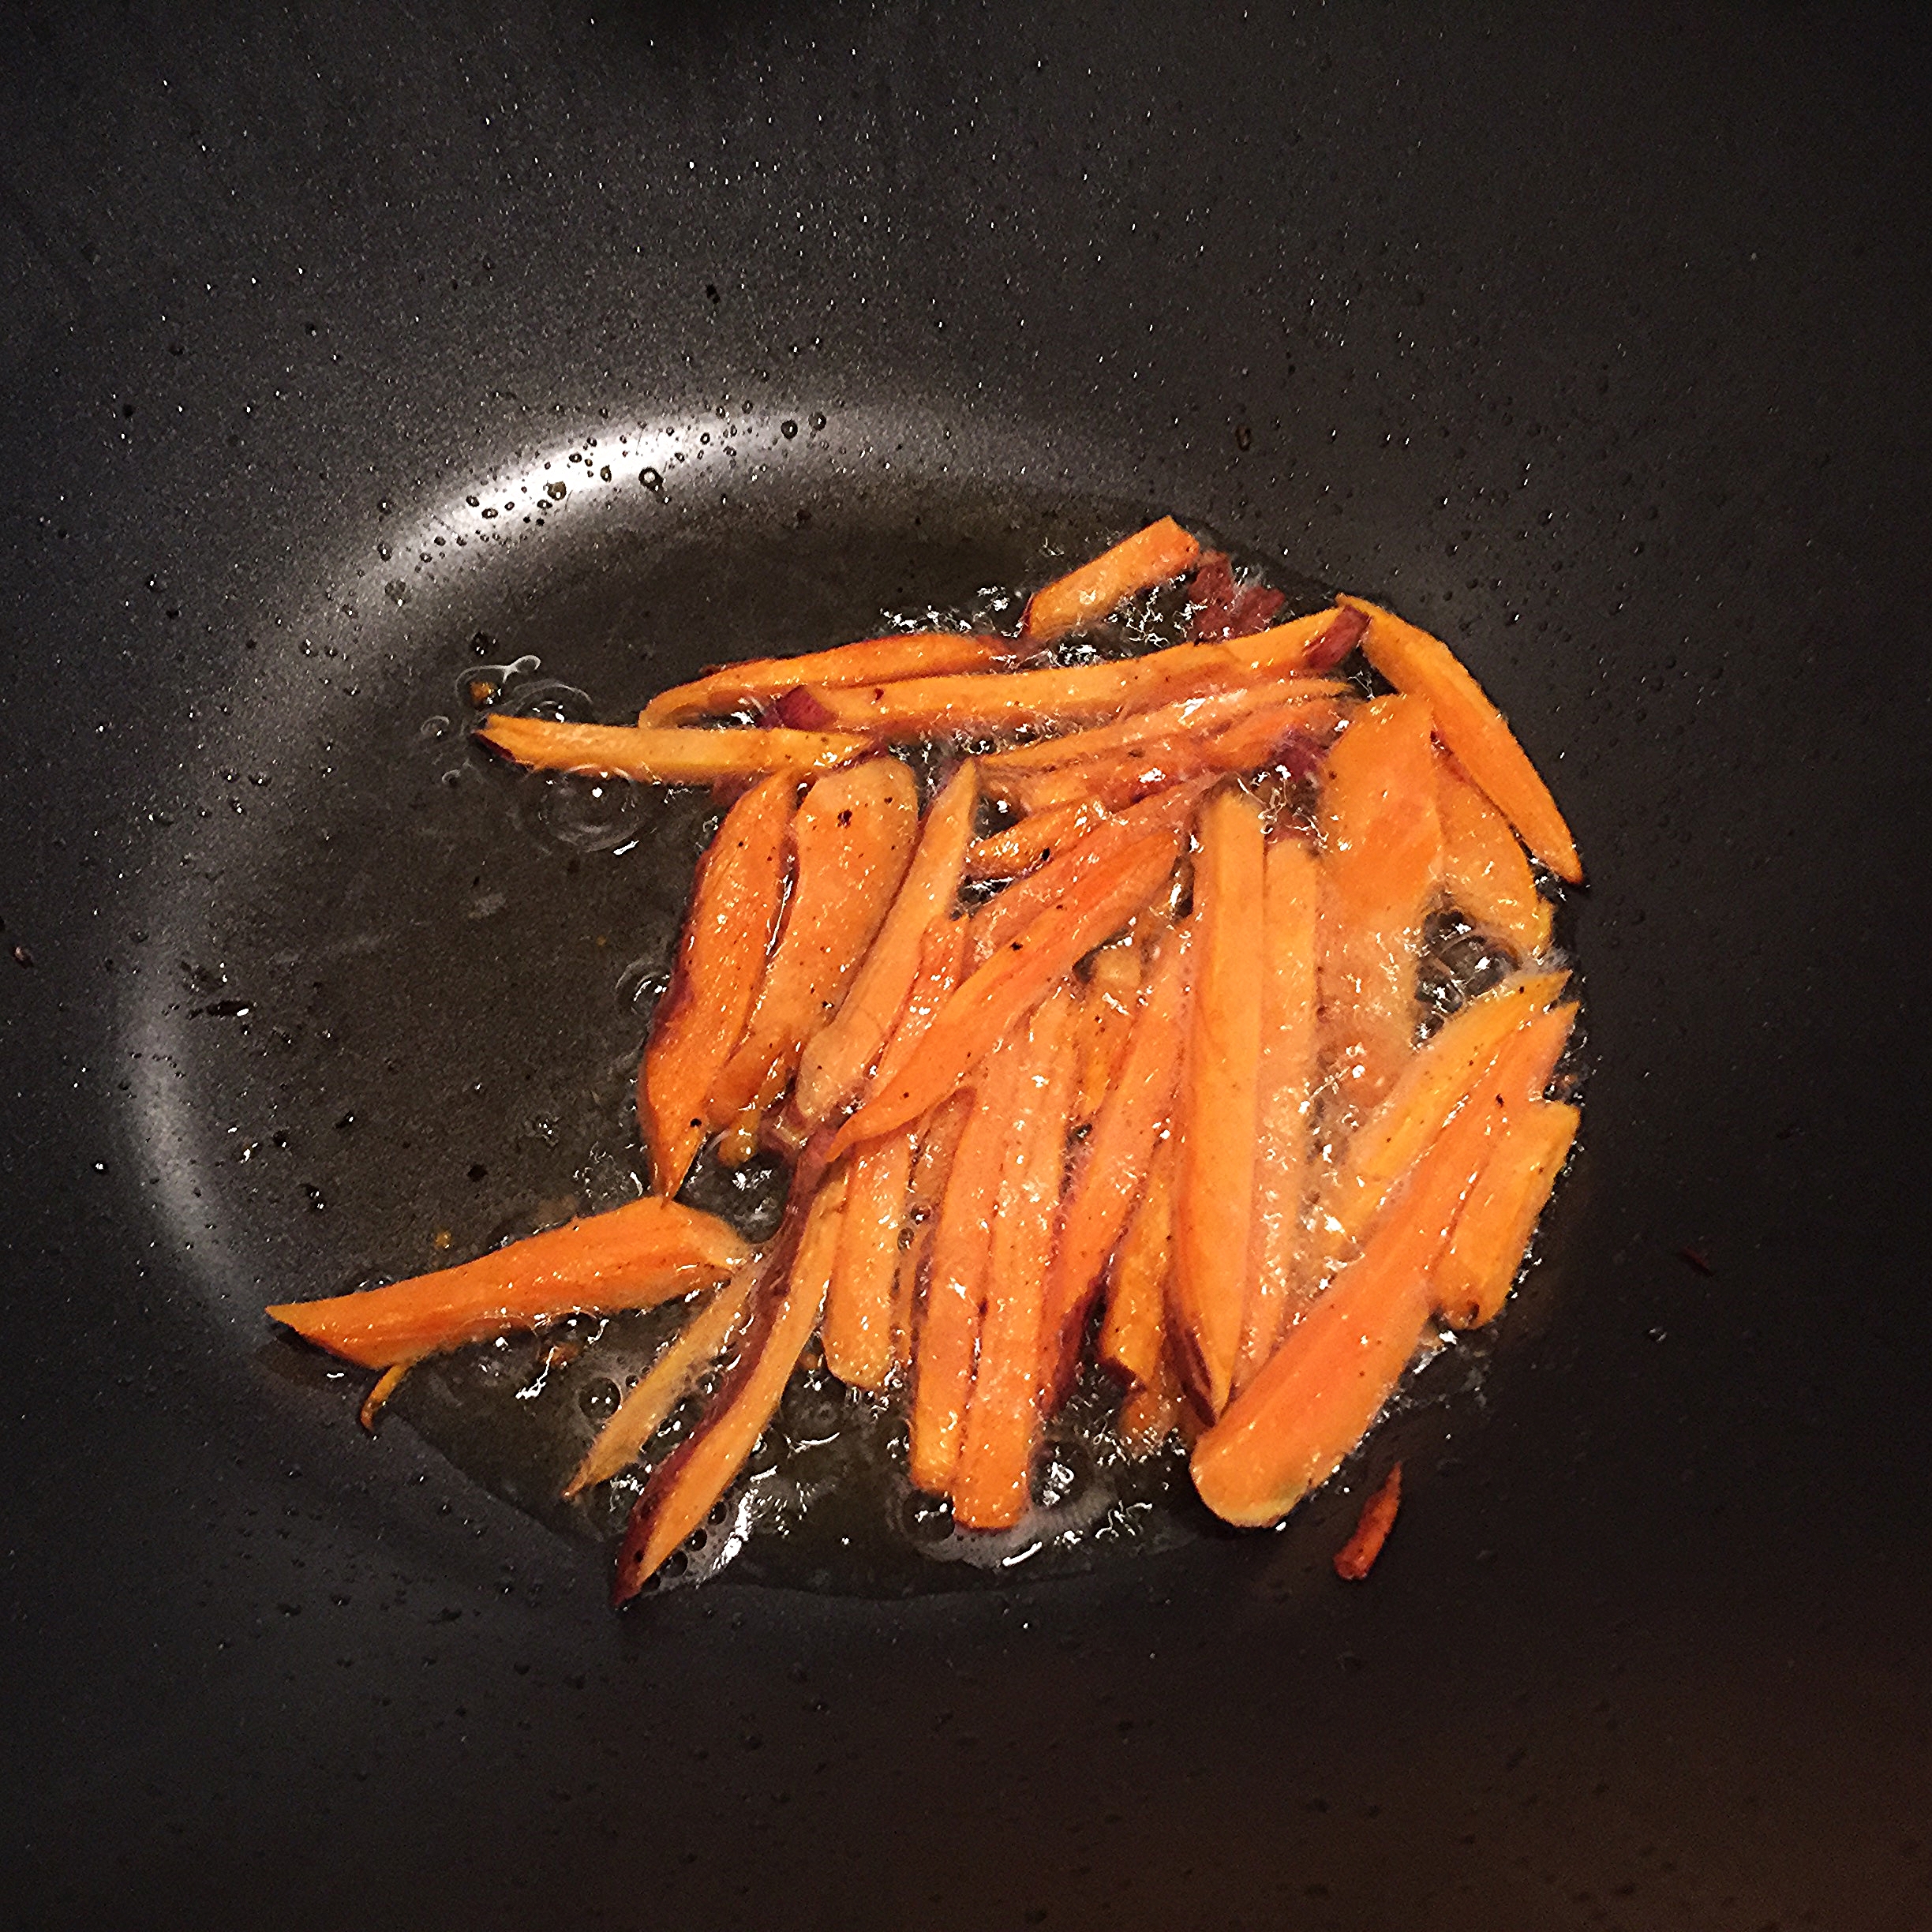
(1314, 1398)
(1484, 873)
(1012, 982)
(853, 836)
(789, 1294)
(957, 1266)
(1473, 1280)
(648, 1251)
(1112, 1174)
(938, 1140)
(1105, 1023)
(1437, 1081)
(758, 680)
(858, 1328)
(1215, 1110)
(1471, 727)
(1382, 848)
(1137, 563)
(1018, 848)
(679, 1366)
(1196, 717)
(1008, 914)
(1276, 1275)
(991, 1488)
(667, 755)
(837, 1057)
(1356, 1557)
(1293, 735)
(735, 903)
(1134, 1331)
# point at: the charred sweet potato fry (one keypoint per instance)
(666, 754)
(1484, 873)
(1356, 1557)
(947, 1337)
(1012, 982)
(1471, 727)
(758, 681)
(837, 1057)
(646, 1252)
(1216, 1110)
(991, 1488)
(1111, 1172)
(679, 1367)
(1221, 607)
(1474, 1278)
(680, 1493)
(1284, 1112)
(740, 885)
(1137, 563)
(1381, 862)
(853, 836)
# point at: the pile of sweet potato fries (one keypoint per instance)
(1172, 1072)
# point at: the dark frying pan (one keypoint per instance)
(1598, 344)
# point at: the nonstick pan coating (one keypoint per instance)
(1598, 344)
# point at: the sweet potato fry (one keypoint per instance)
(948, 1336)
(1484, 873)
(1196, 717)
(1215, 1109)
(1356, 1557)
(1293, 736)
(1008, 914)
(788, 1297)
(1382, 861)
(837, 1058)
(1012, 982)
(853, 836)
(1472, 727)
(991, 1489)
(758, 680)
(939, 1138)
(1437, 1080)
(1134, 1331)
(1137, 563)
(681, 1363)
(857, 1329)
(648, 1251)
(1314, 1398)
(1112, 1172)
(1106, 1022)
(735, 903)
(1277, 1277)
(1473, 1280)
(1018, 847)
(666, 755)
